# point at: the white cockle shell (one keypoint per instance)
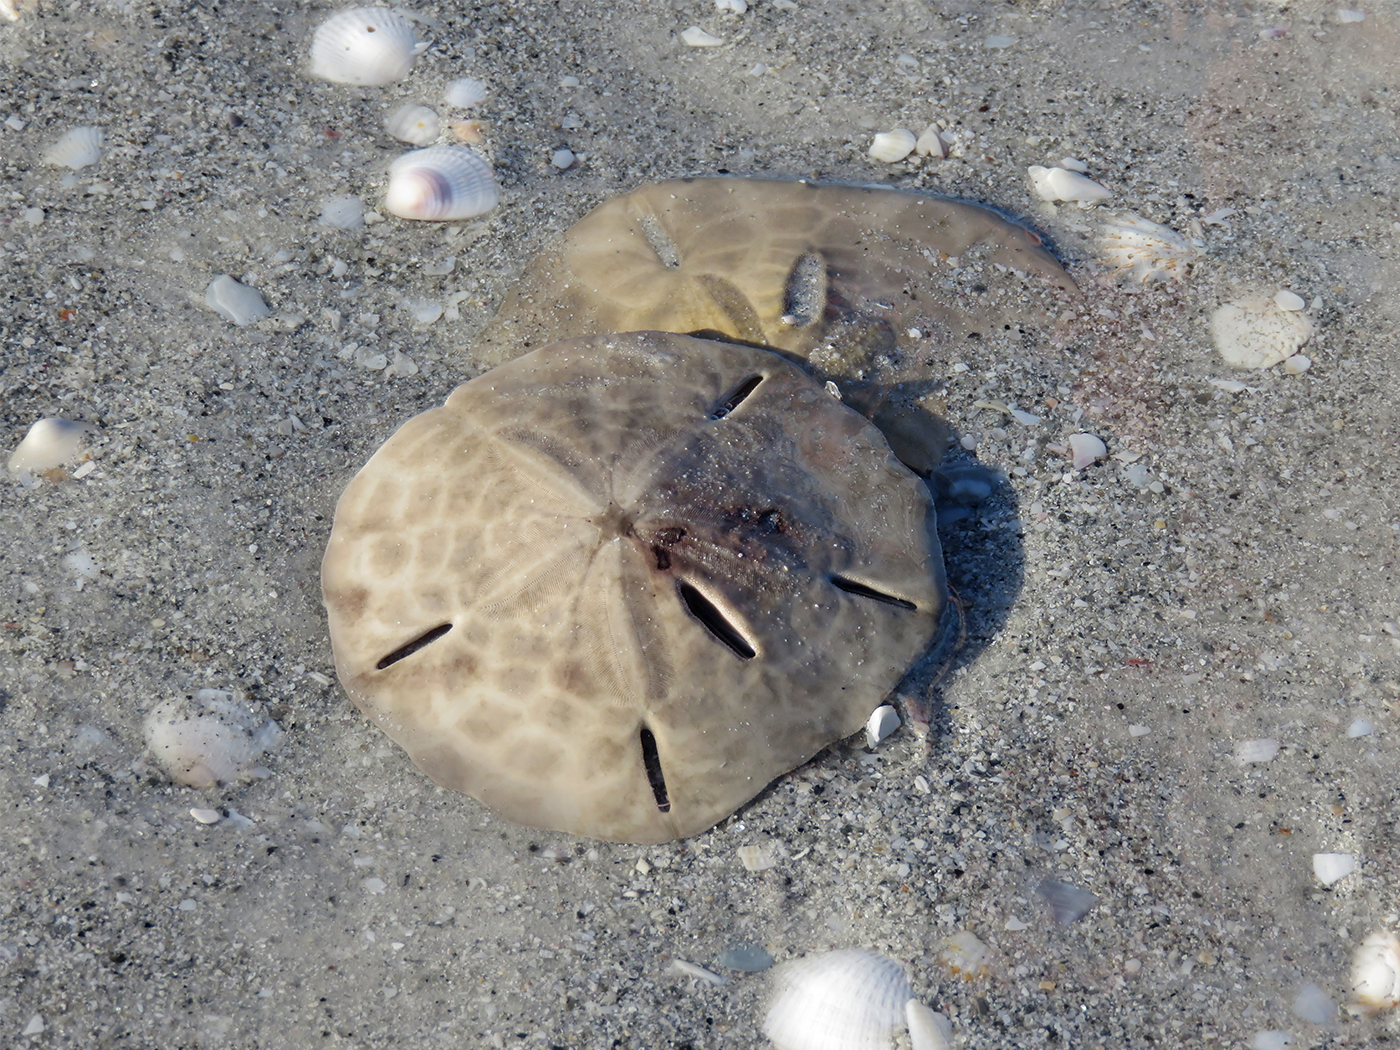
(440, 184)
(1060, 184)
(465, 93)
(369, 46)
(892, 146)
(843, 1000)
(414, 124)
(76, 148)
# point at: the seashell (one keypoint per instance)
(235, 302)
(1255, 333)
(343, 211)
(893, 146)
(928, 1030)
(697, 37)
(1059, 184)
(1375, 973)
(1144, 250)
(931, 144)
(1297, 364)
(964, 955)
(747, 958)
(440, 184)
(465, 93)
(49, 443)
(562, 158)
(843, 1000)
(731, 7)
(209, 739)
(1086, 450)
(1290, 301)
(1332, 867)
(76, 148)
(883, 722)
(759, 856)
(1068, 902)
(368, 46)
(414, 124)
(1263, 750)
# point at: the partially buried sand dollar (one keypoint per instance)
(618, 585)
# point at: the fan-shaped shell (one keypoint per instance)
(1142, 250)
(465, 93)
(414, 124)
(440, 184)
(616, 586)
(368, 46)
(76, 148)
(843, 1000)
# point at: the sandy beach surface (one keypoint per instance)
(1183, 664)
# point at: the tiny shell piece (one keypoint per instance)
(964, 955)
(1332, 867)
(733, 7)
(1360, 727)
(367, 46)
(209, 740)
(206, 816)
(465, 93)
(1068, 903)
(1058, 184)
(414, 124)
(842, 1000)
(1255, 333)
(759, 856)
(440, 184)
(1297, 364)
(1074, 164)
(1086, 450)
(49, 443)
(892, 146)
(562, 158)
(697, 37)
(931, 144)
(1348, 14)
(1375, 973)
(1142, 250)
(343, 211)
(699, 973)
(927, 1030)
(1286, 300)
(77, 148)
(1257, 750)
(747, 958)
(235, 302)
(883, 722)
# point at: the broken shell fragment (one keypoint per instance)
(1332, 867)
(1059, 184)
(931, 144)
(1375, 973)
(1255, 333)
(1292, 301)
(1086, 449)
(697, 37)
(414, 124)
(893, 146)
(209, 739)
(49, 443)
(928, 1030)
(1141, 250)
(77, 148)
(842, 1000)
(365, 46)
(883, 722)
(440, 184)
(235, 302)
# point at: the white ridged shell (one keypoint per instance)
(927, 1030)
(368, 46)
(76, 149)
(440, 184)
(414, 124)
(1059, 184)
(893, 146)
(1142, 250)
(845, 1000)
(465, 93)
(1375, 972)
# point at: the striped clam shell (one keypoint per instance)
(440, 184)
(77, 148)
(370, 46)
(842, 1000)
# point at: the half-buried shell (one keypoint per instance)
(441, 184)
(367, 46)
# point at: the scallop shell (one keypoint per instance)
(440, 184)
(414, 124)
(1144, 251)
(1255, 333)
(1375, 973)
(370, 46)
(1060, 184)
(844, 1000)
(893, 146)
(465, 93)
(77, 148)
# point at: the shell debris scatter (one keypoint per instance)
(441, 184)
(1375, 972)
(50, 442)
(842, 1000)
(76, 148)
(364, 46)
(649, 471)
(413, 123)
(212, 738)
(1141, 250)
(234, 301)
(1060, 184)
(1255, 333)
(893, 146)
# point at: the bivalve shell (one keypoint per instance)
(1060, 184)
(893, 146)
(414, 124)
(1375, 973)
(50, 443)
(440, 184)
(1142, 250)
(843, 1000)
(367, 46)
(1255, 333)
(927, 1030)
(465, 93)
(77, 148)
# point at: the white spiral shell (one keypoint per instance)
(414, 124)
(77, 148)
(440, 184)
(844, 1000)
(369, 46)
